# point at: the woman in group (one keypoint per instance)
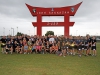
(59, 52)
(21, 47)
(72, 47)
(38, 47)
(56, 49)
(67, 47)
(79, 45)
(93, 46)
(34, 48)
(50, 46)
(63, 48)
(16, 46)
(86, 46)
(83, 45)
(47, 49)
(3, 44)
(25, 48)
(29, 51)
(42, 49)
(29, 42)
(24, 41)
(9, 48)
(52, 49)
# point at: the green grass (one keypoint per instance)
(49, 64)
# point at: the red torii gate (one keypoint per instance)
(61, 11)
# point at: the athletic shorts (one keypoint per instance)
(71, 47)
(93, 47)
(83, 47)
(86, 47)
(3, 45)
(79, 47)
(25, 47)
(38, 47)
(7, 50)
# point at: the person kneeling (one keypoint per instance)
(9, 48)
(29, 49)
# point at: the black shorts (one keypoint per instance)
(75, 46)
(2, 46)
(83, 47)
(67, 47)
(72, 47)
(86, 47)
(93, 47)
(7, 50)
(79, 47)
(89, 46)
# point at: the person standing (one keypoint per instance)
(3, 44)
(63, 48)
(86, 46)
(93, 46)
(90, 42)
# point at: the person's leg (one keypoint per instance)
(7, 51)
(25, 51)
(21, 51)
(11, 50)
(64, 52)
(95, 53)
(17, 49)
(83, 50)
(73, 52)
(80, 52)
(50, 49)
(2, 50)
(40, 49)
(87, 52)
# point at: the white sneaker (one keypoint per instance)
(64, 56)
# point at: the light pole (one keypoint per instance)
(4, 31)
(29, 32)
(9, 32)
(17, 29)
(76, 32)
(13, 31)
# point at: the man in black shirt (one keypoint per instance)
(3, 43)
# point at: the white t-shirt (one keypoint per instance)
(51, 39)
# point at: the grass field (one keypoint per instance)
(49, 64)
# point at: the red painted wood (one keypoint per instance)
(66, 11)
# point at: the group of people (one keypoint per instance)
(60, 45)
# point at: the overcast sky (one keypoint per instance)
(14, 13)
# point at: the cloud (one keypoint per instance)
(14, 13)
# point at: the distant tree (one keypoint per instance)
(19, 34)
(49, 33)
